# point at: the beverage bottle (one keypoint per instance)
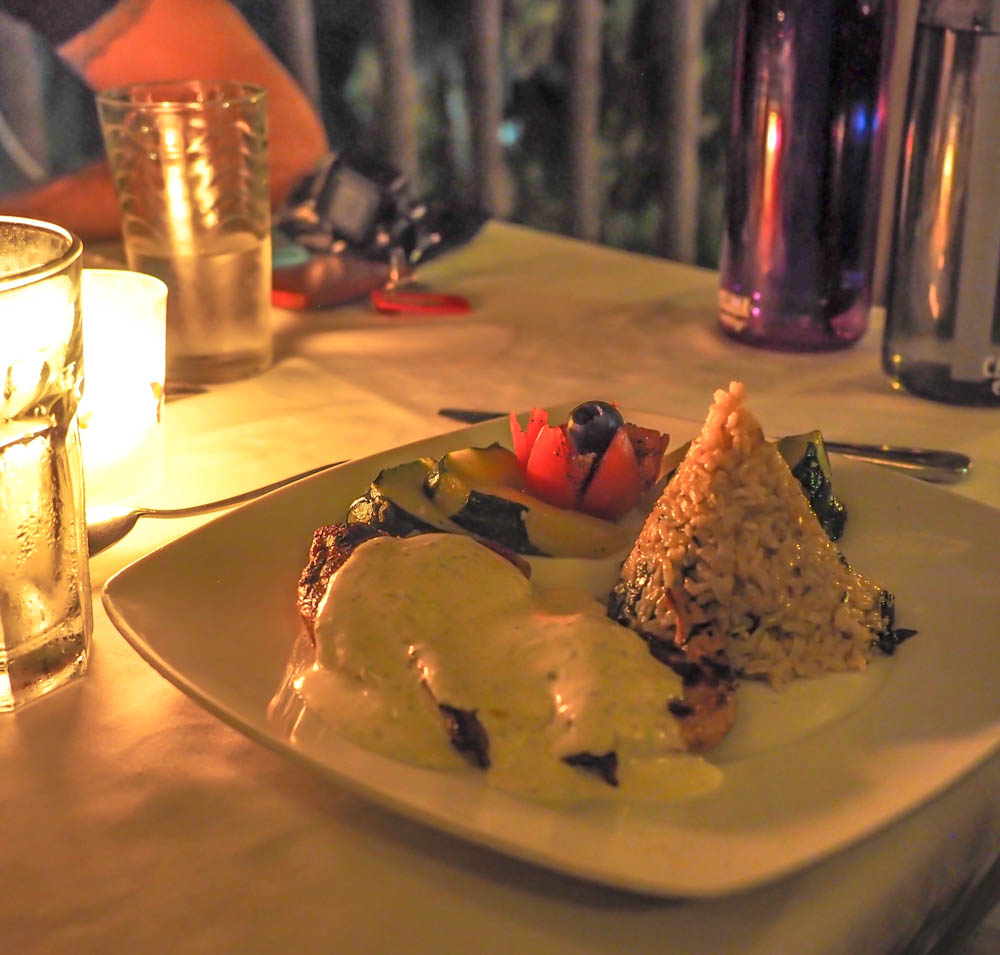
(942, 336)
(806, 143)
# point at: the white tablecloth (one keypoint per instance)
(134, 821)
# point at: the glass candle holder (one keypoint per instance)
(124, 335)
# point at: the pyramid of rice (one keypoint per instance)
(733, 546)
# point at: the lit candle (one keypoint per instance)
(124, 353)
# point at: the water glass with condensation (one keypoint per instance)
(190, 168)
(45, 609)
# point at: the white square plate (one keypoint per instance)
(807, 770)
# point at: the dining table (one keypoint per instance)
(137, 820)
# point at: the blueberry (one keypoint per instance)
(592, 425)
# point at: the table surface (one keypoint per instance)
(135, 821)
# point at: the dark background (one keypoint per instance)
(534, 130)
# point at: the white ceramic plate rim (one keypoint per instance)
(210, 612)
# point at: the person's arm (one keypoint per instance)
(83, 202)
(149, 40)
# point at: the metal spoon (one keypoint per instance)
(928, 464)
(941, 467)
(102, 534)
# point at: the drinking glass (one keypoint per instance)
(190, 168)
(45, 611)
(942, 328)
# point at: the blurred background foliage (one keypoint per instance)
(536, 89)
(534, 131)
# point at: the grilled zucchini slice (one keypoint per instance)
(810, 464)
(493, 465)
(479, 490)
(476, 491)
(396, 503)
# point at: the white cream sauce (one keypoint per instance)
(410, 623)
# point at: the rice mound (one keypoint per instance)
(733, 547)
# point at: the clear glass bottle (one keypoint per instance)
(942, 337)
(806, 144)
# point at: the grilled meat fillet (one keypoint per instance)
(331, 545)
(704, 712)
(707, 710)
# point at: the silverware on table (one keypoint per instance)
(102, 534)
(940, 467)
(928, 464)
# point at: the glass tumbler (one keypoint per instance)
(942, 331)
(189, 161)
(45, 610)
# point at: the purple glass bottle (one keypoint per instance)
(806, 143)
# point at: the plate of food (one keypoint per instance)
(670, 657)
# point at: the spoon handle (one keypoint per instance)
(102, 534)
(930, 464)
(193, 509)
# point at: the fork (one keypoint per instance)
(102, 534)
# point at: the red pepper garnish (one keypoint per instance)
(608, 485)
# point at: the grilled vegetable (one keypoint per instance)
(485, 513)
(615, 485)
(461, 494)
(595, 462)
(467, 734)
(477, 489)
(492, 465)
(810, 464)
(396, 503)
